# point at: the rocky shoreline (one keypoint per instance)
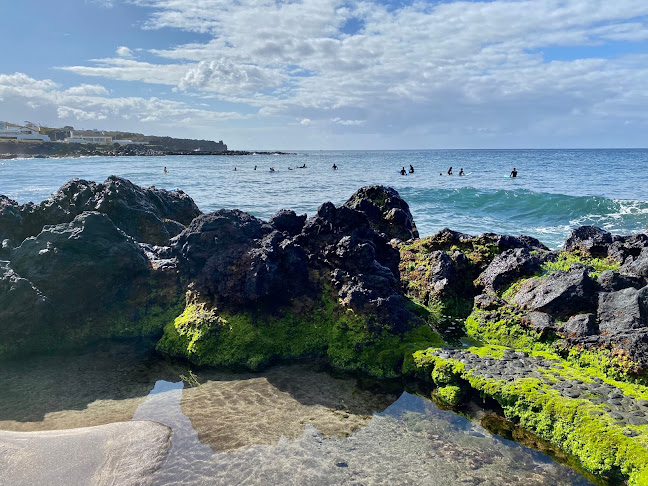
(559, 338)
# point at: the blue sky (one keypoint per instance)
(332, 74)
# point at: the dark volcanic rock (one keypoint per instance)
(386, 211)
(611, 281)
(561, 294)
(78, 282)
(88, 258)
(489, 302)
(580, 325)
(623, 310)
(589, 241)
(636, 266)
(288, 222)
(507, 267)
(540, 322)
(623, 247)
(149, 215)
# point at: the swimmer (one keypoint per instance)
(234, 169)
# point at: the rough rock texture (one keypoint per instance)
(507, 267)
(149, 215)
(580, 325)
(561, 294)
(636, 266)
(623, 310)
(612, 280)
(540, 322)
(81, 281)
(386, 211)
(590, 241)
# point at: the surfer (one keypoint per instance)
(450, 171)
(165, 170)
(301, 166)
(255, 167)
(234, 169)
(513, 172)
(271, 169)
(403, 171)
(334, 166)
(461, 172)
(411, 170)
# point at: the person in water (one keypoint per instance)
(403, 171)
(411, 169)
(234, 169)
(450, 171)
(271, 169)
(255, 167)
(513, 172)
(165, 170)
(334, 166)
(461, 172)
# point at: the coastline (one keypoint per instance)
(557, 338)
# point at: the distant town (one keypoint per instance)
(32, 140)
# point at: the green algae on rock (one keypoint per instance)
(582, 426)
(322, 328)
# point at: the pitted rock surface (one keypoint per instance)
(515, 365)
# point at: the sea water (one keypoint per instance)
(555, 191)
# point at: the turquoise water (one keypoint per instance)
(556, 189)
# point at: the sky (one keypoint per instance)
(333, 74)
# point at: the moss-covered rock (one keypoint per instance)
(321, 328)
(578, 426)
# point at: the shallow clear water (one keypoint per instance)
(555, 190)
(287, 425)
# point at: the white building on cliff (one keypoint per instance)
(27, 132)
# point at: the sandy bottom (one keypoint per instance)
(288, 425)
(412, 442)
(125, 453)
(229, 412)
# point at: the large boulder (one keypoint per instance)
(612, 280)
(623, 310)
(508, 267)
(589, 241)
(580, 325)
(636, 266)
(78, 282)
(561, 294)
(386, 211)
(148, 215)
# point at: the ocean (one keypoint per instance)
(555, 191)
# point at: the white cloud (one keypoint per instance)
(457, 68)
(92, 102)
(87, 90)
(123, 51)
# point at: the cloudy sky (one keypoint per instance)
(334, 74)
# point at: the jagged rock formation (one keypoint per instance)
(333, 279)
(148, 215)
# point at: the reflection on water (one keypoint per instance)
(289, 425)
